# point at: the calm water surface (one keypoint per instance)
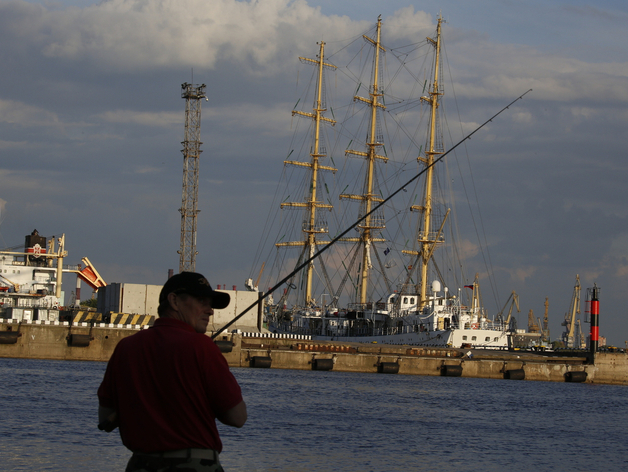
(332, 421)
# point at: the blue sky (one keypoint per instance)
(91, 122)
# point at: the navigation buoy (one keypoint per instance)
(595, 321)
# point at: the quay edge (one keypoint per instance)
(95, 342)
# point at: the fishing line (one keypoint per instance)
(375, 208)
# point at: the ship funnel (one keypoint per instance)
(35, 246)
(435, 286)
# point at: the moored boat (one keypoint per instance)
(416, 306)
(31, 279)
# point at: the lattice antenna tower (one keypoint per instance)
(193, 94)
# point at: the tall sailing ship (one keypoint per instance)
(359, 300)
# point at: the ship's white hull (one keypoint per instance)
(453, 338)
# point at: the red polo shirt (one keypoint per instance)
(168, 384)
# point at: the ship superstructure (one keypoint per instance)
(31, 279)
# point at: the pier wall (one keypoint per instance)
(610, 368)
(95, 342)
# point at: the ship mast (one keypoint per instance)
(368, 196)
(426, 238)
(311, 227)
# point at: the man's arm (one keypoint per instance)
(237, 416)
(107, 419)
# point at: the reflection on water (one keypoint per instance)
(324, 421)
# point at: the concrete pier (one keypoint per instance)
(610, 368)
(95, 342)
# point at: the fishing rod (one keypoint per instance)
(337, 238)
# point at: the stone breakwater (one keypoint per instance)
(96, 341)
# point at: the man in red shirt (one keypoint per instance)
(165, 387)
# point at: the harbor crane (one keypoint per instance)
(513, 299)
(570, 317)
(533, 325)
(546, 333)
(581, 340)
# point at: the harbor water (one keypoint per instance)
(332, 421)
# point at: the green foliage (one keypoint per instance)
(91, 303)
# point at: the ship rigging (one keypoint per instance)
(416, 295)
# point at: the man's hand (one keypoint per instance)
(107, 419)
(237, 416)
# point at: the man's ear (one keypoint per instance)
(173, 301)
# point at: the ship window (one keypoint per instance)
(474, 338)
(487, 339)
(412, 300)
(464, 338)
(405, 300)
(495, 339)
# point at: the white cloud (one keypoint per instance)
(263, 36)
(139, 34)
(522, 273)
(22, 114)
(494, 70)
(158, 119)
(5, 145)
(468, 249)
(406, 23)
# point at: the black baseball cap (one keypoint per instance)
(196, 285)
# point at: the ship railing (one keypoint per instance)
(489, 326)
(368, 307)
(393, 330)
(342, 331)
(413, 328)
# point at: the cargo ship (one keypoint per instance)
(31, 279)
